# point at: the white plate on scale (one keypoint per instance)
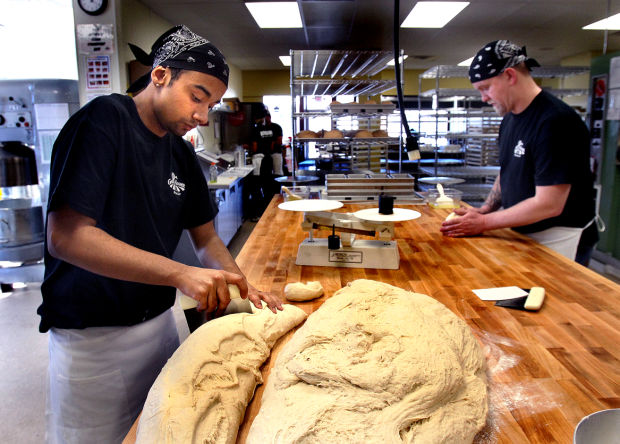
(309, 205)
(400, 214)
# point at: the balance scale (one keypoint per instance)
(348, 252)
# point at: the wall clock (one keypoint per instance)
(93, 7)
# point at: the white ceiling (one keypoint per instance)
(551, 29)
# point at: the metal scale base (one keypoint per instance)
(362, 254)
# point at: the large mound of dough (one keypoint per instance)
(203, 390)
(376, 364)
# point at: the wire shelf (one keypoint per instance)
(336, 87)
(338, 63)
(546, 72)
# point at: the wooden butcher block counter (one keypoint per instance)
(546, 369)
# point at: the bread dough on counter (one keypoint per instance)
(298, 291)
(376, 364)
(203, 390)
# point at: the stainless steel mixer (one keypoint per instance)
(32, 113)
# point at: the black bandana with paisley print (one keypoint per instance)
(495, 57)
(180, 48)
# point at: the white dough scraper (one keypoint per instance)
(532, 302)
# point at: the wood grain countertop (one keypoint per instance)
(546, 369)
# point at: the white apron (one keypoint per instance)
(277, 164)
(99, 377)
(563, 240)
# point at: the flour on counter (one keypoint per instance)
(376, 364)
(203, 390)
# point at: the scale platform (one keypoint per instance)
(362, 254)
(379, 253)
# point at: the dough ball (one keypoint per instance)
(333, 134)
(306, 135)
(298, 291)
(379, 133)
(376, 364)
(363, 134)
(452, 216)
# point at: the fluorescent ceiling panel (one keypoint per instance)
(275, 14)
(466, 62)
(286, 60)
(432, 14)
(400, 60)
(611, 23)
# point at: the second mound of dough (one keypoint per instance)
(298, 291)
(376, 364)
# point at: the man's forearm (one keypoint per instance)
(94, 250)
(493, 201)
(214, 254)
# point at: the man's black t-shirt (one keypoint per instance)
(264, 135)
(547, 144)
(140, 188)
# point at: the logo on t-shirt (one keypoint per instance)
(265, 134)
(519, 149)
(176, 186)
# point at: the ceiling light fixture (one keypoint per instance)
(275, 14)
(432, 14)
(286, 60)
(400, 60)
(466, 62)
(611, 23)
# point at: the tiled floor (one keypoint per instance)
(24, 358)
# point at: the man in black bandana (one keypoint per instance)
(124, 184)
(545, 185)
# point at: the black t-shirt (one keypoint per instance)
(264, 135)
(140, 188)
(547, 144)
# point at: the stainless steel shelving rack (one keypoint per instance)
(481, 135)
(342, 72)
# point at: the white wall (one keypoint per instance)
(37, 40)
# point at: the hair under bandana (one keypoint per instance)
(495, 57)
(181, 48)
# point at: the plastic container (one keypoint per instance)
(455, 195)
(302, 192)
(239, 156)
(213, 173)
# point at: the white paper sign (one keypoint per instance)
(51, 116)
(499, 293)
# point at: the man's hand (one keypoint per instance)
(256, 296)
(209, 287)
(470, 222)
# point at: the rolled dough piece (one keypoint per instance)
(298, 291)
(376, 364)
(203, 390)
(333, 134)
(379, 133)
(306, 135)
(452, 216)
(363, 134)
